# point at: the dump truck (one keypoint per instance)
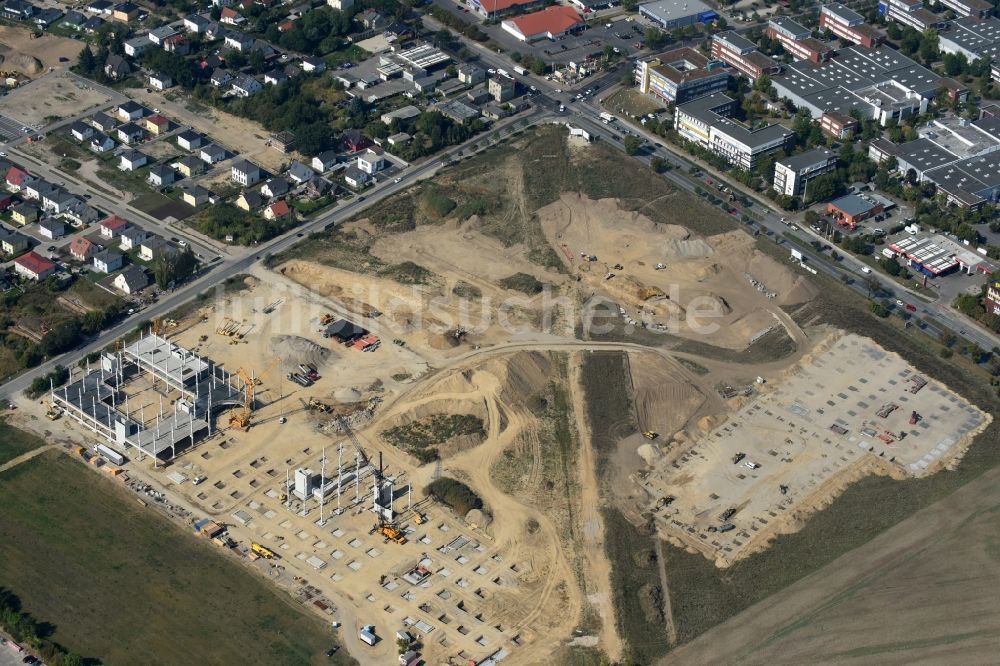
(263, 551)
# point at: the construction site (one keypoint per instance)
(303, 419)
(846, 410)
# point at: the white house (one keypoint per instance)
(355, 177)
(132, 160)
(245, 86)
(372, 160)
(160, 81)
(131, 280)
(107, 261)
(245, 173)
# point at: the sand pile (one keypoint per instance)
(21, 62)
(347, 395)
(695, 248)
(293, 350)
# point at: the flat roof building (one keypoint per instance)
(680, 75)
(742, 54)
(673, 14)
(798, 41)
(792, 174)
(972, 38)
(880, 83)
(911, 13)
(848, 25)
(969, 8)
(705, 122)
(935, 255)
(851, 209)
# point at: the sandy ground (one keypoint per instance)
(16, 41)
(55, 96)
(234, 133)
(916, 594)
(704, 282)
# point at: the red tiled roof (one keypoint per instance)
(80, 246)
(279, 208)
(114, 223)
(492, 6)
(228, 12)
(16, 176)
(157, 120)
(554, 20)
(35, 263)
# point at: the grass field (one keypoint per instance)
(120, 584)
(14, 442)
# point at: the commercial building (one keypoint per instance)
(798, 41)
(498, 8)
(880, 83)
(972, 38)
(969, 8)
(992, 301)
(911, 13)
(705, 122)
(851, 209)
(742, 54)
(550, 23)
(848, 25)
(792, 174)
(838, 125)
(935, 255)
(680, 75)
(673, 14)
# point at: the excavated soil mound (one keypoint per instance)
(21, 63)
(293, 350)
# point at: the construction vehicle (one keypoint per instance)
(727, 514)
(419, 518)
(392, 533)
(53, 414)
(666, 500)
(241, 418)
(783, 489)
(914, 417)
(649, 434)
(325, 318)
(738, 457)
(263, 551)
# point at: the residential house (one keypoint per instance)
(132, 280)
(230, 16)
(136, 46)
(313, 65)
(159, 35)
(354, 140)
(130, 133)
(73, 19)
(125, 12)
(277, 210)
(371, 19)
(130, 160)
(275, 77)
(33, 267)
(156, 124)
(81, 214)
(239, 41)
(399, 139)
(195, 196)
(47, 17)
(100, 7)
(131, 238)
(81, 131)
(372, 160)
(18, 10)
(245, 173)
(153, 248)
(299, 173)
(57, 200)
(117, 68)
(12, 242)
(102, 122)
(17, 179)
(324, 161)
(178, 44)
(162, 175)
(129, 111)
(113, 226)
(275, 187)
(212, 154)
(470, 74)
(195, 23)
(245, 86)
(159, 81)
(318, 187)
(190, 140)
(249, 201)
(342, 5)
(189, 166)
(101, 143)
(83, 249)
(221, 77)
(92, 25)
(36, 188)
(24, 213)
(108, 261)
(51, 229)
(355, 177)
(283, 142)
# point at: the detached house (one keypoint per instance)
(130, 160)
(195, 23)
(113, 226)
(81, 131)
(249, 201)
(24, 213)
(101, 143)
(33, 266)
(355, 177)
(130, 111)
(221, 77)
(17, 179)
(130, 133)
(324, 161)
(372, 160)
(275, 187)
(190, 140)
(132, 280)
(51, 229)
(195, 196)
(161, 176)
(230, 16)
(277, 210)
(159, 35)
(245, 173)
(160, 81)
(246, 86)
(156, 125)
(82, 249)
(136, 46)
(102, 122)
(189, 166)
(212, 154)
(117, 68)
(131, 238)
(107, 261)
(299, 173)
(12, 242)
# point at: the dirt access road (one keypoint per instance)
(922, 592)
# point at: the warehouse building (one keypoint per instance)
(792, 174)
(673, 14)
(705, 122)
(550, 23)
(680, 75)
(742, 54)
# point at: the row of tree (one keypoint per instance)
(26, 630)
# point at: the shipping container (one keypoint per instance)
(110, 454)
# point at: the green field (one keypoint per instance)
(122, 585)
(14, 442)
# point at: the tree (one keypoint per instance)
(174, 267)
(631, 144)
(86, 61)
(656, 163)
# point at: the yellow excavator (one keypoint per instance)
(263, 551)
